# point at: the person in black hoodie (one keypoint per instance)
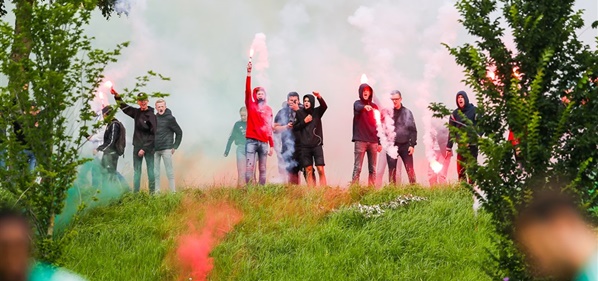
(405, 138)
(108, 147)
(143, 137)
(469, 110)
(168, 139)
(311, 139)
(365, 134)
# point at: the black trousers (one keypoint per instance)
(109, 164)
(407, 160)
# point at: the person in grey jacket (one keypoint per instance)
(405, 138)
(168, 139)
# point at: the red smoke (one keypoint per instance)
(194, 248)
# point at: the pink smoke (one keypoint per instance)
(194, 248)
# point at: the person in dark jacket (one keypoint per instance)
(405, 138)
(469, 110)
(308, 124)
(143, 137)
(108, 147)
(365, 135)
(168, 139)
(22, 139)
(283, 125)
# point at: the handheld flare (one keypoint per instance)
(108, 84)
(377, 117)
(364, 79)
(251, 54)
(436, 166)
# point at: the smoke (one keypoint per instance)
(386, 132)
(260, 60)
(194, 248)
(310, 46)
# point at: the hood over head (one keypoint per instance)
(257, 89)
(362, 87)
(312, 101)
(464, 94)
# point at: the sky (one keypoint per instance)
(313, 45)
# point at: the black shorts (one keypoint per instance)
(311, 155)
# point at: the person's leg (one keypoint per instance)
(474, 153)
(250, 148)
(392, 170)
(380, 168)
(149, 161)
(263, 157)
(372, 151)
(318, 157)
(167, 155)
(241, 162)
(96, 171)
(359, 152)
(137, 161)
(408, 162)
(157, 168)
(309, 172)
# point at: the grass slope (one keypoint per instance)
(292, 234)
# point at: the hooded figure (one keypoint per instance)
(259, 129)
(469, 110)
(308, 125)
(365, 134)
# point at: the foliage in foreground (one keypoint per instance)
(520, 90)
(292, 234)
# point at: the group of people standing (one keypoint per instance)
(299, 127)
(156, 137)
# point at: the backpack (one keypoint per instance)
(121, 143)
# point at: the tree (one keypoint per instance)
(545, 91)
(53, 73)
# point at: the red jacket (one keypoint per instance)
(259, 116)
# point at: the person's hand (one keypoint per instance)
(271, 152)
(249, 67)
(449, 153)
(368, 107)
(379, 148)
(294, 106)
(113, 92)
(95, 152)
(141, 153)
(308, 119)
(290, 125)
(225, 154)
(411, 149)
(173, 150)
(317, 94)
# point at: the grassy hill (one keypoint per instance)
(287, 234)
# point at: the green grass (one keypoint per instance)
(292, 235)
(124, 241)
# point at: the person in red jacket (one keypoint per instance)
(259, 130)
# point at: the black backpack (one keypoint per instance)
(121, 143)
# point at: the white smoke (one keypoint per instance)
(386, 133)
(125, 6)
(260, 60)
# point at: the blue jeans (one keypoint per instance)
(362, 148)
(260, 149)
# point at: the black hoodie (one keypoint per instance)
(364, 123)
(310, 134)
(168, 128)
(469, 110)
(145, 125)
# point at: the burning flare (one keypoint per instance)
(377, 117)
(251, 54)
(102, 100)
(364, 79)
(108, 84)
(436, 166)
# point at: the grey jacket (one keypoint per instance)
(405, 129)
